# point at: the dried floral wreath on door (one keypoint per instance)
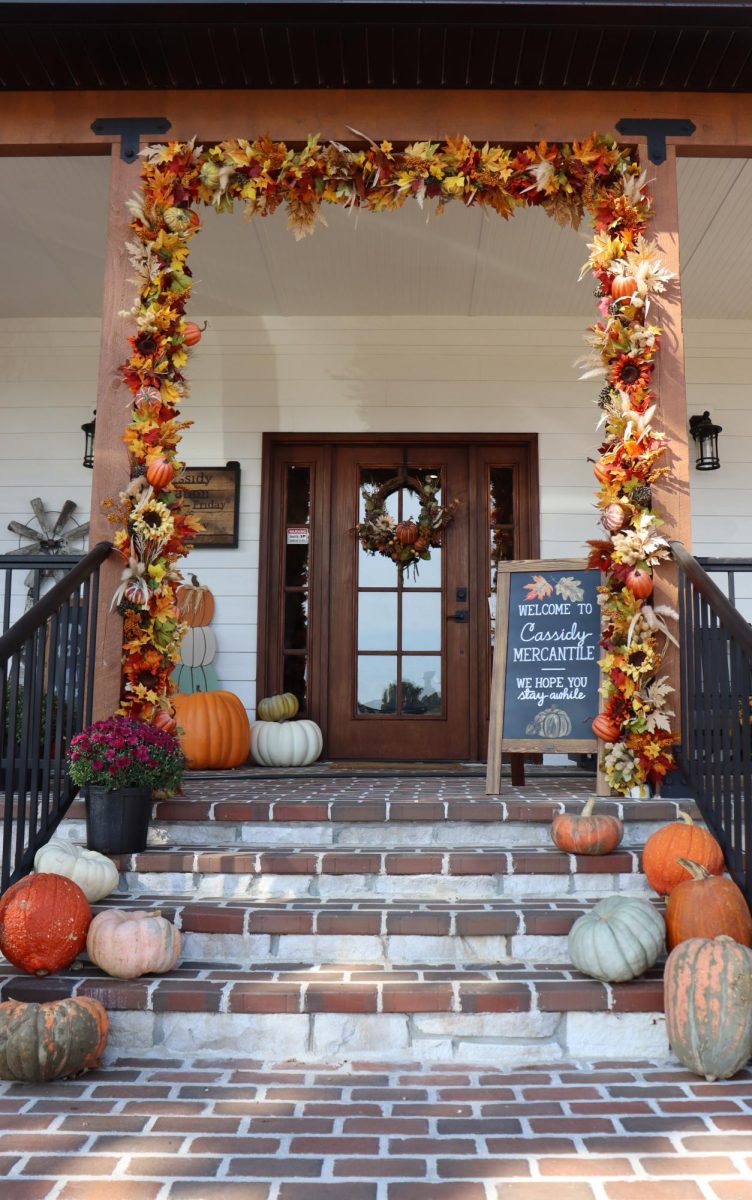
(409, 541)
(596, 177)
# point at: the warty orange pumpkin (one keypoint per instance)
(679, 839)
(707, 989)
(39, 1042)
(216, 732)
(43, 923)
(585, 832)
(705, 906)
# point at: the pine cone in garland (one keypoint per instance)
(139, 469)
(643, 496)
(604, 397)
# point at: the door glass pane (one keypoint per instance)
(421, 621)
(377, 621)
(298, 495)
(429, 573)
(296, 566)
(377, 683)
(294, 678)
(374, 570)
(296, 620)
(421, 685)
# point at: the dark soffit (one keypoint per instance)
(539, 44)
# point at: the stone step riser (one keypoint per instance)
(504, 835)
(370, 948)
(504, 1040)
(425, 888)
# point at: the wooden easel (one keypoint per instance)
(497, 743)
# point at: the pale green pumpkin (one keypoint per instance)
(618, 939)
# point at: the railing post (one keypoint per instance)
(671, 493)
(111, 470)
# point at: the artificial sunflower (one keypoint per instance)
(153, 520)
(626, 372)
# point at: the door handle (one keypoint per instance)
(462, 616)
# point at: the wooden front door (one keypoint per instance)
(399, 655)
(392, 666)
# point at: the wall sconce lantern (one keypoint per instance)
(705, 434)
(88, 428)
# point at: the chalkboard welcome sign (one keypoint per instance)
(544, 690)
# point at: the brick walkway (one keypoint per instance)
(147, 1130)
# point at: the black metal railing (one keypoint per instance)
(47, 661)
(22, 579)
(738, 579)
(716, 708)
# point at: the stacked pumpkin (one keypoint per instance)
(214, 730)
(278, 740)
(45, 923)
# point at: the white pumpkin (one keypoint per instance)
(289, 744)
(95, 874)
(618, 939)
(128, 944)
(198, 647)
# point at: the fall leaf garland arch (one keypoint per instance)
(594, 177)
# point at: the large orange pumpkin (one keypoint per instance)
(680, 839)
(705, 906)
(216, 731)
(195, 603)
(39, 1042)
(707, 989)
(584, 833)
(43, 923)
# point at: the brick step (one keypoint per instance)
(415, 826)
(438, 873)
(367, 931)
(506, 1015)
(422, 821)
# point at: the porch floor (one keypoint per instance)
(175, 1129)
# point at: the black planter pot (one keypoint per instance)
(117, 822)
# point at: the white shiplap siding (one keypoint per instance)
(355, 374)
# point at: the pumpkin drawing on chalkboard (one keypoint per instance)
(550, 723)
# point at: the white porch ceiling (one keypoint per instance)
(52, 245)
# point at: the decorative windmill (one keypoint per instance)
(54, 535)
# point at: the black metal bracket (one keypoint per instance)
(129, 130)
(657, 130)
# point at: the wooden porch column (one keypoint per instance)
(671, 493)
(111, 469)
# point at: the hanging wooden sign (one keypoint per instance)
(545, 681)
(212, 494)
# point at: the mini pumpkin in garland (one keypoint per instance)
(706, 906)
(586, 832)
(680, 839)
(56, 1040)
(43, 923)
